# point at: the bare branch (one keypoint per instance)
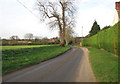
(60, 14)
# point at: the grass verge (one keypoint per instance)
(18, 58)
(104, 65)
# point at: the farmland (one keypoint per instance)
(21, 46)
(17, 57)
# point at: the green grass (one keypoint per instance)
(18, 58)
(21, 46)
(104, 65)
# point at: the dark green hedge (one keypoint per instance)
(107, 39)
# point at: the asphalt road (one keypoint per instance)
(64, 68)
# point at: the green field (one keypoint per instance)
(19, 57)
(21, 46)
(104, 65)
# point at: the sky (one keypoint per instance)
(17, 20)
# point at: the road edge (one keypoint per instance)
(86, 61)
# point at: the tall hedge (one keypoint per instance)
(119, 39)
(108, 39)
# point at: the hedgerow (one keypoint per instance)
(107, 39)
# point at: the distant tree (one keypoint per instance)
(95, 29)
(106, 27)
(36, 38)
(45, 39)
(55, 38)
(14, 37)
(28, 36)
(68, 35)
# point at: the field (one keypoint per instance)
(104, 65)
(21, 46)
(15, 57)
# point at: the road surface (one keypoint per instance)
(72, 66)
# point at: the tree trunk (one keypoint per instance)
(61, 37)
(61, 32)
(63, 18)
(66, 42)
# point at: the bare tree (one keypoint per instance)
(69, 30)
(57, 12)
(37, 38)
(28, 36)
(14, 37)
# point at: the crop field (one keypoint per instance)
(22, 46)
(19, 57)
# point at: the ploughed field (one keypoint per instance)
(17, 57)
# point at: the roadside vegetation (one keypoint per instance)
(107, 39)
(17, 58)
(104, 65)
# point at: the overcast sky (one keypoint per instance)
(16, 20)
